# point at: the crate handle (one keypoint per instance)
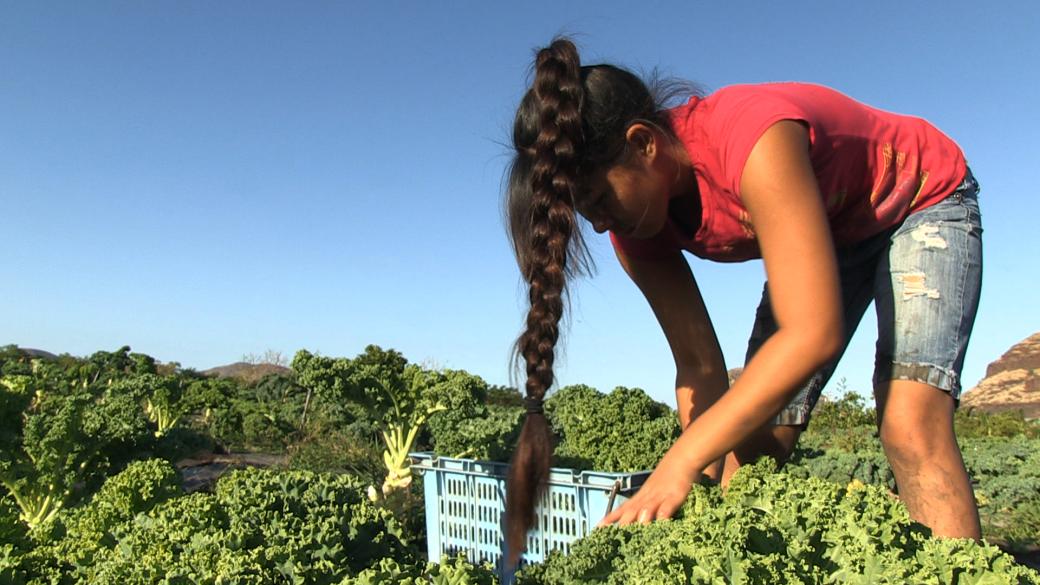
(613, 492)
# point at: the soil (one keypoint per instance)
(201, 472)
(1030, 558)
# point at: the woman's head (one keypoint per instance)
(630, 197)
(590, 128)
(593, 141)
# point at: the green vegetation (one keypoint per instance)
(257, 527)
(1001, 452)
(62, 430)
(399, 396)
(771, 528)
(637, 429)
(90, 494)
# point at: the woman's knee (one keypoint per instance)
(915, 420)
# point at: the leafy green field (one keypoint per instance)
(91, 493)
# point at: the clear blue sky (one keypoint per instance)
(203, 180)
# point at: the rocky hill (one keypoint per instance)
(246, 372)
(38, 353)
(1012, 382)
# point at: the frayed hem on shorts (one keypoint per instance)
(942, 378)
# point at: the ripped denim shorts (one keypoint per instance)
(924, 277)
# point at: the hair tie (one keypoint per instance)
(534, 405)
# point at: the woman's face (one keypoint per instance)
(629, 198)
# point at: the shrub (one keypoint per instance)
(450, 571)
(12, 543)
(972, 423)
(61, 435)
(76, 536)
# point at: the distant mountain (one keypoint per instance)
(246, 372)
(38, 353)
(1011, 383)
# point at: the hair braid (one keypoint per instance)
(553, 176)
(571, 122)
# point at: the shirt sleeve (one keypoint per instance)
(740, 122)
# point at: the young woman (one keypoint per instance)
(844, 203)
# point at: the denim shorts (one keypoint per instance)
(924, 277)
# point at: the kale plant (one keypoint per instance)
(623, 431)
(61, 433)
(258, 527)
(771, 528)
(399, 396)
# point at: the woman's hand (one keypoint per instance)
(661, 496)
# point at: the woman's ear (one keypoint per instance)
(642, 139)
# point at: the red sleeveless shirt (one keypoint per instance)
(873, 167)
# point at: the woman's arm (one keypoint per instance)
(672, 292)
(779, 189)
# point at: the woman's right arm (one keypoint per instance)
(670, 288)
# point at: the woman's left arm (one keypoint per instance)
(781, 194)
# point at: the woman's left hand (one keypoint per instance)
(659, 498)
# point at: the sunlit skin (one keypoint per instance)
(632, 197)
(780, 192)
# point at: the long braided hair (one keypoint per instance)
(570, 122)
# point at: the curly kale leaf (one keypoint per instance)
(399, 396)
(623, 431)
(773, 528)
(60, 437)
(258, 527)
(450, 571)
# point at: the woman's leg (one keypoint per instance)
(927, 296)
(916, 423)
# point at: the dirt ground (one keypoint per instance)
(1030, 559)
(201, 473)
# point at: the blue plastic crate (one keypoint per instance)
(465, 508)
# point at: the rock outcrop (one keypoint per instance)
(1011, 383)
(733, 374)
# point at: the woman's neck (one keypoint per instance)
(684, 206)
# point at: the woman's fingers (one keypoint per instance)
(626, 514)
(629, 517)
(658, 499)
(644, 517)
(623, 514)
(666, 511)
(634, 511)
